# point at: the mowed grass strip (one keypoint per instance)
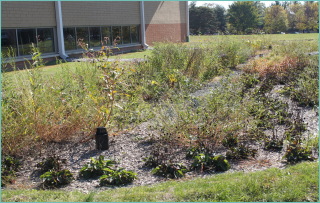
(271, 37)
(294, 184)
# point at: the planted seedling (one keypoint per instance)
(295, 153)
(51, 163)
(207, 162)
(240, 152)
(230, 141)
(118, 177)
(53, 179)
(96, 168)
(195, 151)
(170, 170)
(8, 169)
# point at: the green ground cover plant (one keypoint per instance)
(296, 183)
(96, 168)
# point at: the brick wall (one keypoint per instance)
(98, 13)
(165, 21)
(20, 14)
(165, 12)
(166, 32)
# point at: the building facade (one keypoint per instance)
(55, 27)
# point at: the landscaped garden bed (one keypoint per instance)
(188, 111)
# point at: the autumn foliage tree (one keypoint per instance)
(275, 19)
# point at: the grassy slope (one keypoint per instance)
(295, 183)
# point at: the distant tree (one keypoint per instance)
(260, 7)
(242, 15)
(220, 13)
(202, 19)
(193, 4)
(275, 19)
(311, 13)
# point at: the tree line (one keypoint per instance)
(245, 17)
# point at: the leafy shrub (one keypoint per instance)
(230, 141)
(117, 177)
(249, 80)
(51, 163)
(7, 177)
(96, 168)
(295, 153)
(53, 179)
(195, 151)
(205, 161)
(220, 163)
(273, 144)
(295, 130)
(299, 96)
(8, 169)
(11, 164)
(240, 152)
(170, 170)
(202, 161)
(151, 161)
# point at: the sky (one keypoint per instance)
(226, 3)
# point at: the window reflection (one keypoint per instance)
(45, 40)
(134, 34)
(26, 40)
(95, 37)
(106, 32)
(69, 38)
(82, 33)
(126, 35)
(116, 34)
(8, 42)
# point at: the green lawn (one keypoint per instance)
(293, 184)
(273, 37)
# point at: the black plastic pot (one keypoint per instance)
(102, 139)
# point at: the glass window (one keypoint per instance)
(82, 33)
(116, 34)
(26, 40)
(106, 32)
(45, 40)
(95, 37)
(8, 41)
(126, 35)
(69, 38)
(134, 34)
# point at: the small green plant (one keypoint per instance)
(195, 151)
(11, 164)
(117, 177)
(170, 170)
(220, 163)
(241, 152)
(203, 162)
(7, 177)
(230, 141)
(96, 168)
(151, 161)
(295, 153)
(53, 179)
(51, 163)
(249, 81)
(296, 130)
(207, 162)
(8, 169)
(273, 144)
